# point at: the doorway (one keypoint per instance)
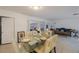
(6, 30)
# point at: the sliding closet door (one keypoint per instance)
(7, 30)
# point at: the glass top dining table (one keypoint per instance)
(33, 42)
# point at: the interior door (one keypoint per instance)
(7, 30)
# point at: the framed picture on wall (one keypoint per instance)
(33, 26)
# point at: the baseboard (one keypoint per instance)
(5, 43)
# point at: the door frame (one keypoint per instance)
(0, 31)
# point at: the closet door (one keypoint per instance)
(7, 30)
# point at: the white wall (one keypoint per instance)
(21, 20)
(67, 23)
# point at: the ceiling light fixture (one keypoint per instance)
(35, 7)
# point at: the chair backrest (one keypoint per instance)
(28, 34)
(45, 34)
(50, 43)
(20, 35)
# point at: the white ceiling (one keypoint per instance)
(47, 12)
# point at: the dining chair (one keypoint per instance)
(48, 46)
